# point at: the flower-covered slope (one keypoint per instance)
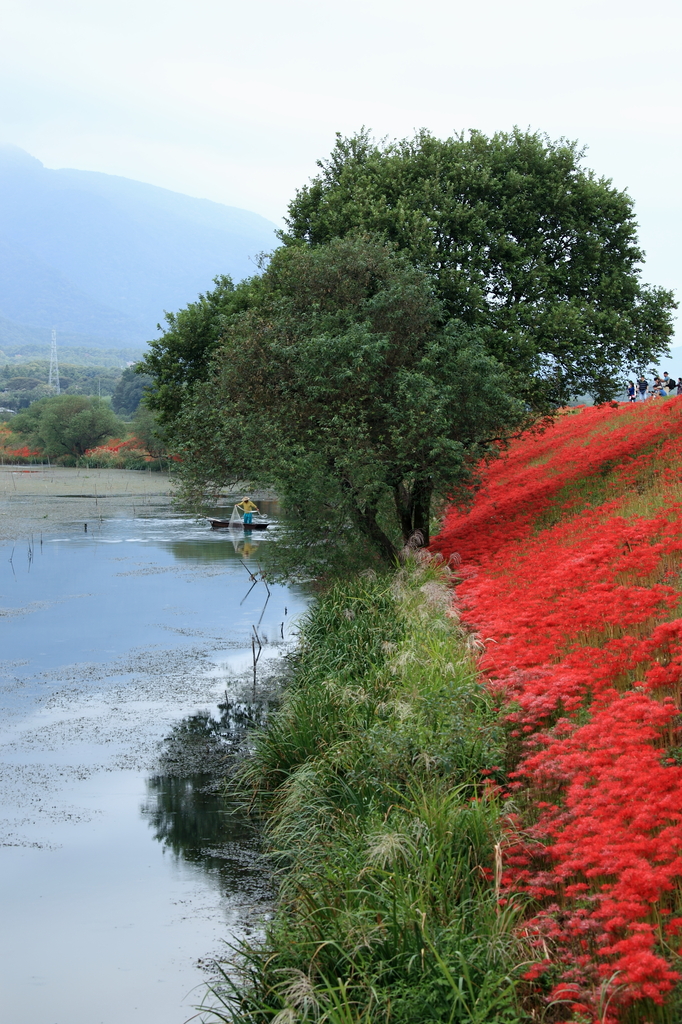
(570, 563)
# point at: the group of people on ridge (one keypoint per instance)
(661, 387)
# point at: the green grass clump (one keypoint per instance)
(372, 775)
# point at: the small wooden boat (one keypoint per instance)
(222, 524)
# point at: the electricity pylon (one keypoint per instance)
(53, 380)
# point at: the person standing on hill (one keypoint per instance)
(679, 386)
(668, 381)
(643, 387)
(248, 508)
(632, 391)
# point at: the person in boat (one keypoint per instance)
(248, 508)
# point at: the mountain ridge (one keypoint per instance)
(102, 257)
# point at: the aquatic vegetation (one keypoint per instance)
(570, 571)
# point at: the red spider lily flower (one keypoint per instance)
(571, 560)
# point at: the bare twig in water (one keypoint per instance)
(255, 639)
(264, 607)
(247, 593)
(251, 575)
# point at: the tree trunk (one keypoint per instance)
(421, 497)
(366, 521)
(413, 506)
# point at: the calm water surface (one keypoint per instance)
(118, 882)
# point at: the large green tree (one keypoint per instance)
(347, 390)
(522, 242)
(429, 298)
(66, 424)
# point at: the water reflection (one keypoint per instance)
(220, 547)
(223, 545)
(186, 806)
(202, 743)
(198, 824)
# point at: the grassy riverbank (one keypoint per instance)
(377, 778)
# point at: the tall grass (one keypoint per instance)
(377, 777)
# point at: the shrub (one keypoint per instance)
(66, 425)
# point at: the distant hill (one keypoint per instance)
(101, 257)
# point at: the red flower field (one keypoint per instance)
(571, 573)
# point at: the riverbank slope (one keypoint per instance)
(481, 821)
(571, 564)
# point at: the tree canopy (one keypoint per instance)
(346, 390)
(129, 390)
(148, 431)
(521, 241)
(180, 358)
(66, 424)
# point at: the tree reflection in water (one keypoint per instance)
(186, 806)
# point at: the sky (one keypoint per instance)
(235, 102)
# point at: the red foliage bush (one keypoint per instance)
(116, 446)
(7, 451)
(570, 566)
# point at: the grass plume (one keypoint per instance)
(377, 778)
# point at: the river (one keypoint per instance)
(125, 649)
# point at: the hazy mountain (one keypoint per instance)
(101, 257)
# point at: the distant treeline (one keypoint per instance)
(27, 383)
(78, 355)
(21, 385)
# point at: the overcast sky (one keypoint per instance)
(235, 102)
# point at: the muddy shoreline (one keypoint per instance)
(27, 494)
(27, 508)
